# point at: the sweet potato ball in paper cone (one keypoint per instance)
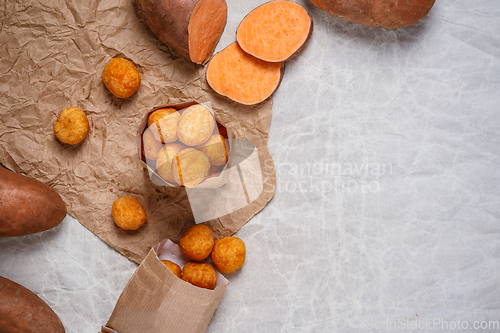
(197, 242)
(173, 267)
(150, 145)
(215, 149)
(196, 125)
(199, 274)
(164, 123)
(165, 158)
(190, 167)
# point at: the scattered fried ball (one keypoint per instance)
(215, 149)
(173, 267)
(199, 274)
(228, 254)
(197, 242)
(190, 167)
(196, 125)
(121, 77)
(150, 145)
(71, 126)
(164, 162)
(128, 213)
(164, 123)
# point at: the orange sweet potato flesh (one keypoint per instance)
(27, 206)
(22, 311)
(241, 77)
(191, 28)
(275, 30)
(377, 13)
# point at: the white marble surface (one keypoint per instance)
(387, 209)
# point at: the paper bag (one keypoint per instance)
(155, 300)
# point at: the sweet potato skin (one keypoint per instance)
(27, 206)
(377, 13)
(21, 310)
(169, 20)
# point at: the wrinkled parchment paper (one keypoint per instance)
(52, 57)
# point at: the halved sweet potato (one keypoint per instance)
(377, 13)
(22, 311)
(241, 77)
(27, 205)
(275, 30)
(191, 28)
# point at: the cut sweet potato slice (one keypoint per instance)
(241, 77)
(275, 30)
(205, 28)
(191, 28)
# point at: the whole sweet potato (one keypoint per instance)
(191, 28)
(377, 13)
(21, 310)
(27, 206)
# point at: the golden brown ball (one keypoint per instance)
(215, 149)
(197, 242)
(190, 167)
(173, 267)
(128, 213)
(164, 160)
(196, 125)
(228, 254)
(121, 77)
(71, 126)
(150, 145)
(199, 274)
(163, 124)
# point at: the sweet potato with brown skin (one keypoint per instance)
(377, 13)
(191, 28)
(27, 206)
(22, 311)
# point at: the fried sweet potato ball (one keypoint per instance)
(199, 274)
(196, 125)
(173, 267)
(150, 145)
(190, 167)
(228, 254)
(164, 162)
(128, 213)
(163, 124)
(121, 77)
(197, 242)
(215, 149)
(71, 126)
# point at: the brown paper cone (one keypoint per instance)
(155, 300)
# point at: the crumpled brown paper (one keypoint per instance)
(51, 56)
